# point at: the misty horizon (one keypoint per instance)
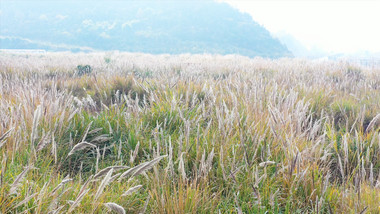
(173, 27)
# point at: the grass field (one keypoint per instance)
(138, 133)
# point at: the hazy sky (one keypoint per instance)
(334, 26)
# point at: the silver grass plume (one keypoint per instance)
(372, 123)
(16, 183)
(103, 184)
(26, 200)
(63, 182)
(266, 163)
(81, 146)
(106, 170)
(45, 140)
(140, 168)
(115, 207)
(148, 165)
(131, 190)
(88, 129)
(36, 118)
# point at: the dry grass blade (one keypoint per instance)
(363, 211)
(5, 135)
(103, 184)
(78, 200)
(372, 123)
(115, 207)
(18, 180)
(145, 205)
(26, 200)
(2, 143)
(106, 170)
(64, 181)
(293, 165)
(81, 146)
(85, 134)
(84, 186)
(131, 190)
(56, 210)
(83, 191)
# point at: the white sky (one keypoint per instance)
(334, 26)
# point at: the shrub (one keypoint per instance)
(354, 73)
(83, 70)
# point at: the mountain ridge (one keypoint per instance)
(137, 26)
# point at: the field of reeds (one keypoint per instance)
(137, 133)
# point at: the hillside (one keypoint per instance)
(162, 134)
(134, 26)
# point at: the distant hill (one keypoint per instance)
(136, 26)
(297, 48)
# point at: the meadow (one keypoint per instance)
(138, 133)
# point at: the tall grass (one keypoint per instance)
(187, 134)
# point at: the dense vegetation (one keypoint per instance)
(136, 26)
(187, 134)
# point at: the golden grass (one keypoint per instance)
(187, 134)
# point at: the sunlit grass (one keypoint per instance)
(200, 134)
